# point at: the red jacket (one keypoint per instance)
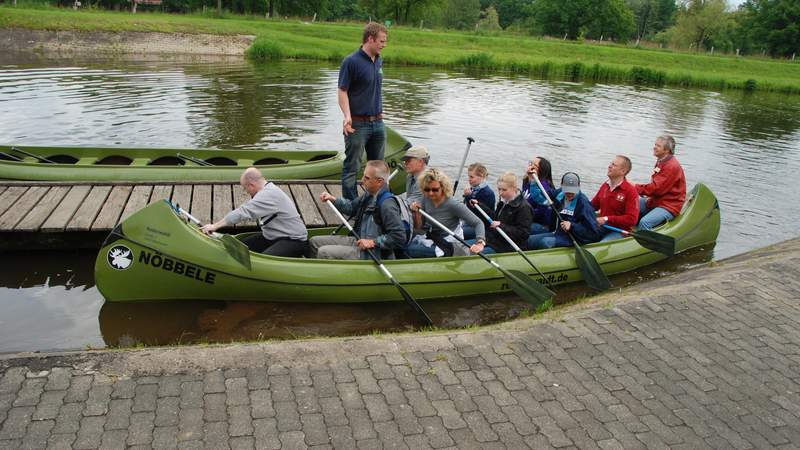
(667, 187)
(620, 205)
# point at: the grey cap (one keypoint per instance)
(570, 183)
(416, 151)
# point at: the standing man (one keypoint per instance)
(359, 95)
(617, 202)
(283, 232)
(662, 198)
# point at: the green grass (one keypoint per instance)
(544, 58)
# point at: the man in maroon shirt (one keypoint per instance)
(662, 198)
(617, 202)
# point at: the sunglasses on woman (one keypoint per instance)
(432, 189)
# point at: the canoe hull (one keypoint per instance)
(169, 259)
(76, 164)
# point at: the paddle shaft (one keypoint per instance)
(406, 296)
(40, 158)
(457, 237)
(463, 161)
(553, 207)
(195, 220)
(514, 245)
(197, 161)
(618, 230)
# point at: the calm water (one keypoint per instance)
(745, 147)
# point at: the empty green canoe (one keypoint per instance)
(164, 165)
(156, 255)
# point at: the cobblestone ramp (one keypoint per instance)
(704, 359)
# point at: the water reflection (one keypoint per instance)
(744, 146)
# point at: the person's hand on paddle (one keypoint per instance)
(468, 192)
(533, 168)
(566, 225)
(365, 244)
(415, 206)
(347, 126)
(326, 196)
(602, 220)
(495, 224)
(477, 247)
(209, 228)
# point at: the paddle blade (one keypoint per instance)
(591, 270)
(656, 242)
(237, 250)
(413, 303)
(530, 290)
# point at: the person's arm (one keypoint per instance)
(462, 212)
(660, 183)
(584, 227)
(519, 227)
(344, 105)
(212, 227)
(631, 217)
(394, 235)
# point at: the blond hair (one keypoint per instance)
(372, 30)
(510, 179)
(431, 175)
(479, 169)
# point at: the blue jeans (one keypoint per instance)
(486, 249)
(540, 241)
(611, 235)
(369, 136)
(651, 218)
(537, 228)
(417, 250)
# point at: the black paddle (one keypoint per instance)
(590, 269)
(339, 228)
(531, 291)
(197, 161)
(521, 253)
(233, 246)
(651, 240)
(463, 161)
(406, 296)
(37, 157)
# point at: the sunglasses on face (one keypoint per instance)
(432, 189)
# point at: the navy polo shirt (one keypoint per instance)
(362, 79)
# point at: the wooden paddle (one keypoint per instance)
(463, 161)
(651, 240)
(531, 291)
(233, 246)
(590, 269)
(519, 250)
(406, 296)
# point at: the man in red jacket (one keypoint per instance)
(662, 198)
(617, 201)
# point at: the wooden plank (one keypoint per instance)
(240, 196)
(201, 203)
(86, 213)
(334, 189)
(112, 209)
(222, 204)
(286, 189)
(10, 196)
(34, 220)
(66, 209)
(2, 189)
(182, 196)
(306, 206)
(161, 192)
(22, 207)
(327, 214)
(138, 200)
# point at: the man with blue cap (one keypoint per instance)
(578, 214)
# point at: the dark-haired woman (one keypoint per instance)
(543, 219)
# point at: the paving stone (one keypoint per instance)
(324, 384)
(351, 398)
(37, 434)
(488, 407)
(281, 388)
(145, 397)
(165, 437)
(261, 404)
(90, 433)
(12, 380)
(522, 423)
(461, 399)
(190, 424)
(49, 405)
(287, 416)
(240, 422)
(360, 424)
(123, 388)
(432, 387)
(417, 442)
(480, 427)
(380, 369)
(192, 394)
(405, 377)
(265, 432)
(57, 379)
(170, 386)
(16, 423)
(341, 437)
(390, 388)
(435, 431)
(119, 414)
(508, 435)
(257, 378)
(306, 398)
(190, 445)
(420, 403)
(29, 393)
(332, 411)
(369, 444)
(367, 384)
(377, 407)
(390, 436)
(417, 363)
(555, 435)
(215, 434)
(61, 441)
(300, 376)
(79, 389)
(499, 393)
(406, 420)
(141, 429)
(68, 419)
(214, 382)
(242, 443)
(471, 384)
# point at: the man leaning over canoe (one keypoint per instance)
(379, 223)
(283, 232)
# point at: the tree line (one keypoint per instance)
(770, 27)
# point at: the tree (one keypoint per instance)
(775, 25)
(698, 21)
(490, 21)
(462, 14)
(652, 16)
(575, 18)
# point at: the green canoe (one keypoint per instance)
(155, 255)
(195, 165)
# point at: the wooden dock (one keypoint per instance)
(47, 213)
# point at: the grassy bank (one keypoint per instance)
(504, 52)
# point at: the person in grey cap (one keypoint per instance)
(283, 232)
(416, 162)
(578, 214)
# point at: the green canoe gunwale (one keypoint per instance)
(136, 164)
(325, 281)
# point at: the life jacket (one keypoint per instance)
(405, 215)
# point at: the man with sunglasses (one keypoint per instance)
(380, 227)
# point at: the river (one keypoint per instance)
(743, 146)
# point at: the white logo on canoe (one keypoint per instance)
(120, 257)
